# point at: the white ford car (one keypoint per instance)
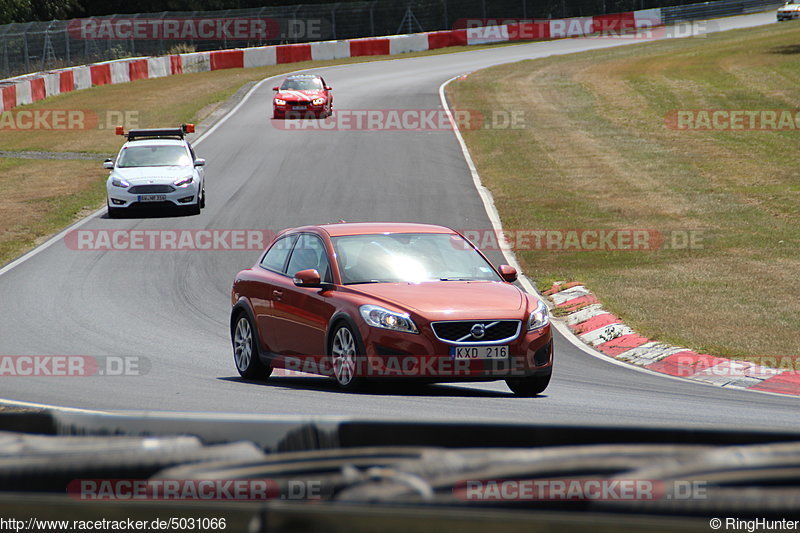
(156, 168)
(789, 11)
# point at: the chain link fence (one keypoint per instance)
(38, 46)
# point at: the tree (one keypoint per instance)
(32, 10)
(15, 11)
(54, 9)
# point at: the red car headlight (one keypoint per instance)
(539, 318)
(378, 317)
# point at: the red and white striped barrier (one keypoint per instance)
(31, 88)
(607, 334)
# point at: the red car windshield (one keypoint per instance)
(303, 84)
(409, 257)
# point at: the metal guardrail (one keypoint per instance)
(722, 8)
(39, 46)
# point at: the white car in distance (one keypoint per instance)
(789, 11)
(156, 168)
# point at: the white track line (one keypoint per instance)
(46, 407)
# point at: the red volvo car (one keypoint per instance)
(387, 300)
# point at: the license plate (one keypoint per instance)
(298, 108)
(153, 198)
(479, 352)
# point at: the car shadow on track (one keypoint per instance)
(375, 388)
(143, 212)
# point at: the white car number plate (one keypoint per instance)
(152, 197)
(478, 352)
(298, 108)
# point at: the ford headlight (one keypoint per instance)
(119, 182)
(183, 182)
(539, 317)
(378, 317)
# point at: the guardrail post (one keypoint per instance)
(371, 19)
(66, 46)
(25, 52)
(293, 26)
(191, 41)
(333, 19)
(225, 36)
(161, 46)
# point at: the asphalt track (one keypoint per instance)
(172, 307)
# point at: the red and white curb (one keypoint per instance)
(607, 334)
(32, 88)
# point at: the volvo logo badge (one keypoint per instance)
(478, 331)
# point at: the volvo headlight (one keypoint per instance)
(378, 317)
(539, 318)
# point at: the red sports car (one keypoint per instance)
(302, 96)
(387, 300)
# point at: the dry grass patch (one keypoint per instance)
(39, 195)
